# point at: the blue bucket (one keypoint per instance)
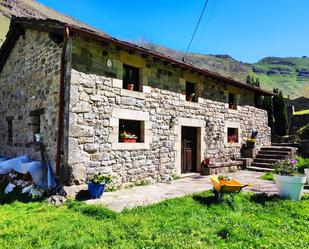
(95, 190)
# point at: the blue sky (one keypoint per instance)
(248, 30)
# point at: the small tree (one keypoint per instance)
(248, 81)
(257, 82)
(282, 120)
(267, 104)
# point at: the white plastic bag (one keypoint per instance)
(9, 188)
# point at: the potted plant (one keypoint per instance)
(190, 97)
(96, 185)
(126, 137)
(205, 165)
(231, 139)
(288, 181)
(130, 86)
(250, 142)
(303, 166)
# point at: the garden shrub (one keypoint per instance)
(303, 133)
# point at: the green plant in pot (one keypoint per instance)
(96, 185)
(250, 142)
(289, 181)
(127, 137)
(303, 166)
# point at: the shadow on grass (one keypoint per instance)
(96, 212)
(206, 200)
(263, 198)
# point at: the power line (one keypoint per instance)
(196, 27)
(210, 14)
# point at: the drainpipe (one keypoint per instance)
(66, 35)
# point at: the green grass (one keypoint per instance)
(268, 176)
(302, 112)
(189, 222)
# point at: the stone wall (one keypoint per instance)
(30, 81)
(95, 103)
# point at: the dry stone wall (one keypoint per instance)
(30, 81)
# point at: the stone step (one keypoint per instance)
(259, 169)
(278, 148)
(265, 160)
(275, 152)
(270, 156)
(285, 145)
(263, 165)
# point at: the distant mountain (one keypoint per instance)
(290, 74)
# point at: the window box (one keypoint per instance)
(128, 140)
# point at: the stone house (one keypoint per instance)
(71, 85)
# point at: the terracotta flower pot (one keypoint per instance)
(207, 160)
(130, 87)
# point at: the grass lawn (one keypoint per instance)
(268, 176)
(187, 222)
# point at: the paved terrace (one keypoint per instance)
(145, 195)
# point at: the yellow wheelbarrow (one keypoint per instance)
(224, 185)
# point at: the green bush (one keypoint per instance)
(302, 164)
(303, 133)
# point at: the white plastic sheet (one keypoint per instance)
(42, 176)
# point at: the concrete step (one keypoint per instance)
(275, 152)
(263, 165)
(259, 169)
(270, 156)
(278, 148)
(265, 160)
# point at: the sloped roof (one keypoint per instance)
(38, 16)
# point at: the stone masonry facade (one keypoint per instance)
(95, 101)
(29, 82)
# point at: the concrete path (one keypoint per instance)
(145, 195)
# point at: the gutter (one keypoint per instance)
(66, 36)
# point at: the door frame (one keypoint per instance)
(194, 149)
(200, 137)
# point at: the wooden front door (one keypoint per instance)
(188, 149)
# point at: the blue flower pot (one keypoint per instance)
(95, 190)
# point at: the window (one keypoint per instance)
(232, 101)
(232, 135)
(131, 131)
(131, 78)
(10, 130)
(190, 92)
(36, 121)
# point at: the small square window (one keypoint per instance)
(10, 130)
(191, 92)
(232, 135)
(232, 101)
(36, 121)
(131, 131)
(131, 78)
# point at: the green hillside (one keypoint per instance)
(291, 75)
